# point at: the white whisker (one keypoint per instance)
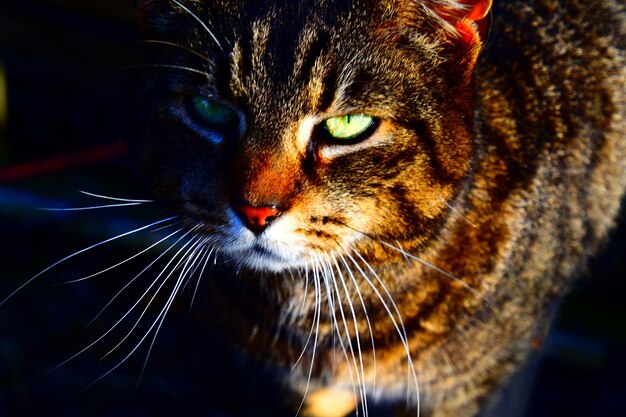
(195, 291)
(167, 226)
(160, 42)
(201, 22)
(129, 283)
(315, 312)
(316, 319)
(389, 296)
(360, 379)
(118, 322)
(455, 211)
(170, 66)
(400, 320)
(329, 299)
(187, 270)
(90, 207)
(367, 318)
(425, 263)
(106, 197)
(124, 261)
(393, 304)
(406, 258)
(399, 325)
(198, 254)
(437, 269)
(83, 251)
(156, 322)
(193, 242)
(306, 285)
(136, 345)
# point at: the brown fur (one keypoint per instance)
(494, 177)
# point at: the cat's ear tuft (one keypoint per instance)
(467, 19)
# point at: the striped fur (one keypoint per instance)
(487, 185)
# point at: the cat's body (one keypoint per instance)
(479, 192)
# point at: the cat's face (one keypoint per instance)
(290, 131)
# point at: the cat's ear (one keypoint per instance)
(468, 19)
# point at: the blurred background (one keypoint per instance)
(65, 112)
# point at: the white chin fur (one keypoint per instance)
(264, 263)
(275, 250)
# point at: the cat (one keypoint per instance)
(393, 191)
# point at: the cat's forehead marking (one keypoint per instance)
(306, 42)
(259, 48)
(303, 55)
(312, 63)
(248, 63)
(237, 81)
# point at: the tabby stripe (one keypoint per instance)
(430, 147)
(246, 46)
(314, 51)
(407, 208)
(260, 38)
(330, 83)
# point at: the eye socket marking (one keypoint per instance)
(349, 129)
(210, 113)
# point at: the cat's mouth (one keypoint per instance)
(262, 257)
(259, 250)
(273, 250)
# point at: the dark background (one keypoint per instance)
(68, 68)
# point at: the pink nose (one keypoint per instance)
(256, 218)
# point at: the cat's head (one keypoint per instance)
(293, 130)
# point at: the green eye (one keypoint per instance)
(211, 113)
(348, 127)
